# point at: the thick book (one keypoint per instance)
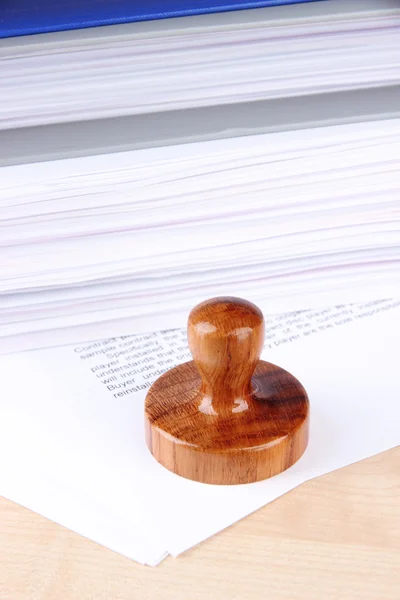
(24, 17)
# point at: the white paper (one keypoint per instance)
(71, 427)
(128, 242)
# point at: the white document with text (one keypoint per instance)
(71, 426)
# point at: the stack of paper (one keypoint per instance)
(129, 242)
(203, 61)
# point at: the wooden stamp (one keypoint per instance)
(226, 417)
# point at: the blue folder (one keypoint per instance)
(25, 17)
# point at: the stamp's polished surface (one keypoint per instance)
(226, 417)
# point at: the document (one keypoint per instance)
(71, 426)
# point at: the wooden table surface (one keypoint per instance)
(337, 537)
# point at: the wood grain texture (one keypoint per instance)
(336, 537)
(226, 417)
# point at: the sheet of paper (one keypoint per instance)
(72, 427)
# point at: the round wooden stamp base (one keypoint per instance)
(263, 436)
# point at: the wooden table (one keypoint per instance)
(337, 537)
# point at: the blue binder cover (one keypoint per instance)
(25, 17)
